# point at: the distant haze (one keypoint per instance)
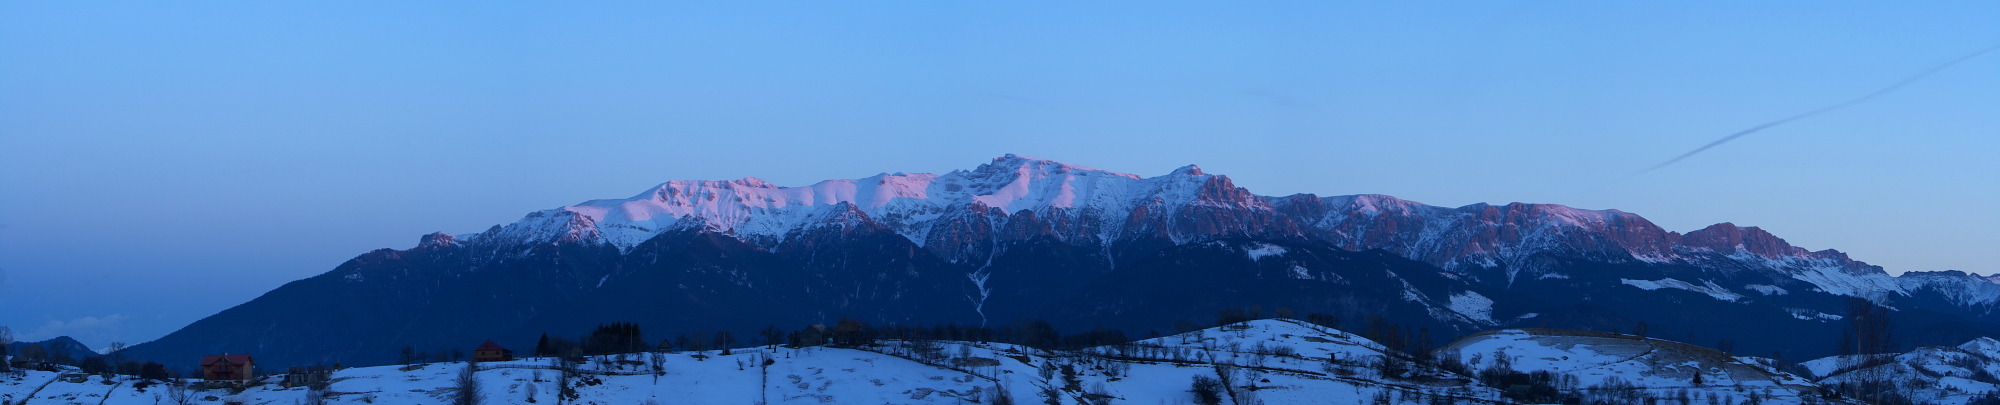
(161, 162)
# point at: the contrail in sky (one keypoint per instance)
(1877, 93)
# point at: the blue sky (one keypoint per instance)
(161, 162)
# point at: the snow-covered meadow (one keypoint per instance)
(1271, 361)
(1267, 361)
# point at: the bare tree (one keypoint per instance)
(465, 389)
(407, 356)
(1870, 325)
(659, 363)
(566, 374)
(772, 335)
(1207, 390)
(116, 352)
(724, 340)
(1868, 336)
(314, 396)
(6, 339)
(178, 393)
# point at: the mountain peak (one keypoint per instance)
(435, 239)
(1026, 164)
(1093, 206)
(1725, 237)
(1982, 345)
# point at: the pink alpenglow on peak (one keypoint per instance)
(959, 214)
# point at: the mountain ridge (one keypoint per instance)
(1079, 203)
(1025, 238)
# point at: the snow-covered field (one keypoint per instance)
(1659, 368)
(1937, 375)
(15, 388)
(1264, 361)
(1268, 361)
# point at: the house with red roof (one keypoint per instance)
(491, 352)
(228, 368)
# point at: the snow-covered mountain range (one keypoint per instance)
(1036, 197)
(1026, 238)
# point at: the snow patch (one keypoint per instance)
(1811, 315)
(1767, 289)
(1707, 287)
(1473, 305)
(1261, 250)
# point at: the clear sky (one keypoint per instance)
(161, 161)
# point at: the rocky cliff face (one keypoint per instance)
(1016, 198)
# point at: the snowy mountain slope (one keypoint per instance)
(1970, 291)
(912, 204)
(963, 216)
(1664, 369)
(1945, 375)
(1021, 237)
(956, 215)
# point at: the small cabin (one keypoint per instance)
(238, 369)
(849, 333)
(812, 335)
(490, 351)
(38, 365)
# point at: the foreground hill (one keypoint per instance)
(1268, 361)
(1256, 362)
(1654, 368)
(1029, 238)
(1944, 375)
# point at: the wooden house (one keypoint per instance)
(849, 332)
(491, 352)
(230, 368)
(813, 335)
